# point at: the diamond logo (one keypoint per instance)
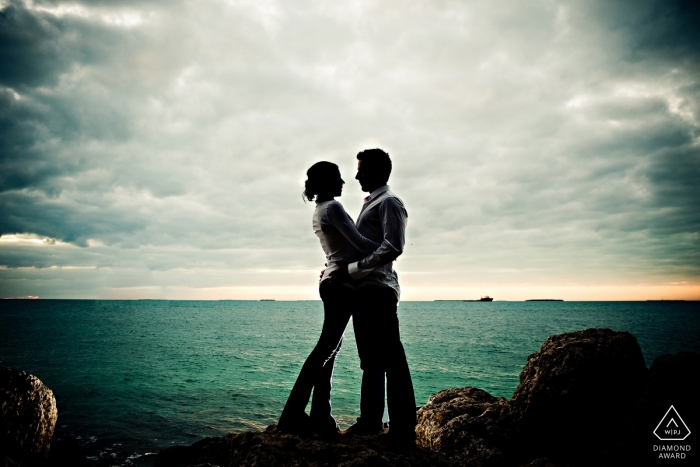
(671, 427)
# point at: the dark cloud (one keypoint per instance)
(37, 47)
(664, 30)
(44, 113)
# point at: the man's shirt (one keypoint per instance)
(383, 219)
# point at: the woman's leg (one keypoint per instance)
(321, 407)
(318, 368)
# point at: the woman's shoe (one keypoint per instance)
(326, 426)
(297, 424)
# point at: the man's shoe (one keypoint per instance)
(361, 428)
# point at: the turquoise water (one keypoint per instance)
(133, 377)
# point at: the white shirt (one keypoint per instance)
(383, 219)
(338, 235)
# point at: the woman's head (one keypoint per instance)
(323, 181)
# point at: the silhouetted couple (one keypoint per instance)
(358, 282)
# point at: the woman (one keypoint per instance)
(340, 240)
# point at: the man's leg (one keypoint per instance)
(389, 349)
(373, 376)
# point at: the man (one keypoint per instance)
(382, 219)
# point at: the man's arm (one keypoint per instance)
(393, 216)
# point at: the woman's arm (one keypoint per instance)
(341, 221)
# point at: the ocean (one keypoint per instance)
(134, 377)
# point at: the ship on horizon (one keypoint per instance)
(482, 299)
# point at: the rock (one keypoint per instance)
(272, 449)
(468, 423)
(29, 416)
(570, 390)
(66, 452)
(7, 462)
(573, 389)
(543, 462)
(671, 381)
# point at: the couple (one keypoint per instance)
(359, 281)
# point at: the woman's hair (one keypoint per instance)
(322, 177)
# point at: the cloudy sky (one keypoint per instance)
(157, 149)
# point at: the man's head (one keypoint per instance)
(373, 169)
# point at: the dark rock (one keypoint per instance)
(177, 456)
(572, 389)
(468, 423)
(671, 381)
(7, 462)
(544, 462)
(272, 449)
(29, 416)
(66, 452)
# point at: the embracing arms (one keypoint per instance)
(393, 218)
(341, 221)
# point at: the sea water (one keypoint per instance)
(134, 377)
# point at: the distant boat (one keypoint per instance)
(267, 299)
(482, 299)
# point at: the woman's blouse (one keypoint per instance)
(339, 237)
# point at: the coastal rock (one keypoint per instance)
(66, 452)
(29, 416)
(468, 423)
(671, 381)
(572, 388)
(569, 389)
(7, 462)
(273, 449)
(544, 462)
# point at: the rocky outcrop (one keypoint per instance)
(469, 423)
(544, 462)
(568, 388)
(28, 416)
(273, 449)
(573, 387)
(671, 381)
(66, 452)
(572, 391)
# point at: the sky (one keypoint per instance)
(158, 149)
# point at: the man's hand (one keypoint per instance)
(339, 275)
(320, 276)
